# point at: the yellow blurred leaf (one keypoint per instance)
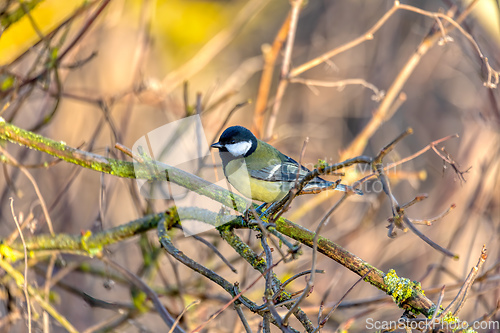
(21, 35)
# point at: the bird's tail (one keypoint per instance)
(347, 188)
(319, 185)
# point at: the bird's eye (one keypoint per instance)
(232, 141)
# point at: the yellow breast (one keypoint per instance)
(256, 189)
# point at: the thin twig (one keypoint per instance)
(243, 320)
(285, 68)
(463, 292)
(216, 251)
(86, 26)
(25, 282)
(167, 317)
(434, 316)
(378, 94)
(46, 290)
(83, 30)
(181, 314)
(434, 219)
(493, 75)
(323, 322)
(271, 288)
(310, 282)
(270, 57)
(35, 186)
(19, 278)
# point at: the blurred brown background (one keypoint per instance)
(134, 84)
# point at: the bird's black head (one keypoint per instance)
(238, 141)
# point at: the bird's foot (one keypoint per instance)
(261, 211)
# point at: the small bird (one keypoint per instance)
(261, 172)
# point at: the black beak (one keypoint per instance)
(217, 145)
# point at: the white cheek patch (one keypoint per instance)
(239, 149)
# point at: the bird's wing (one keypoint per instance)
(282, 171)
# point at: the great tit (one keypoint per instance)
(261, 172)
